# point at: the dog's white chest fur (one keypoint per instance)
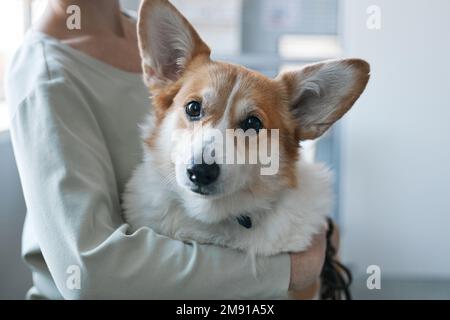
(284, 222)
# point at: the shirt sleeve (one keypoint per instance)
(73, 205)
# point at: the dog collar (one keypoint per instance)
(244, 221)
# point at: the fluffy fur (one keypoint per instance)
(283, 222)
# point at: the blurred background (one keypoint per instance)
(390, 155)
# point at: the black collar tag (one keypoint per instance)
(244, 221)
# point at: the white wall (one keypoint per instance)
(396, 142)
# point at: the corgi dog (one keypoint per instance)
(177, 193)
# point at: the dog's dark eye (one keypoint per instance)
(251, 123)
(194, 109)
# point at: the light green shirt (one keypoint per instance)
(74, 127)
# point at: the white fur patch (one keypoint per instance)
(283, 222)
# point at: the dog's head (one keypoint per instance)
(199, 101)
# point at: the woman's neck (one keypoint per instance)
(105, 33)
(99, 17)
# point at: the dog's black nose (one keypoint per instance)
(203, 174)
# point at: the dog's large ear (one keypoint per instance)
(320, 94)
(167, 42)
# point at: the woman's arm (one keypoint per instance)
(72, 199)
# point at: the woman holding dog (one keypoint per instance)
(76, 98)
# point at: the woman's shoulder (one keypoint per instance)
(39, 62)
(45, 61)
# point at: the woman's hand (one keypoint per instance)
(306, 266)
